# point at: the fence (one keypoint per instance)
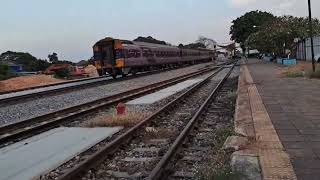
(304, 49)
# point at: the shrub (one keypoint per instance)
(4, 72)
(62, 73)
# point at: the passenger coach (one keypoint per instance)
(121, 57)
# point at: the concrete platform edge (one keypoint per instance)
(252, 121)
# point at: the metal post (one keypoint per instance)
(305, 49)
(311, 36)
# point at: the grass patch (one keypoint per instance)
(154, 133)
(127, 120)
(219, 171)
(223, 134)
(293, 74)
(232, 95)
(218, 168)
(297, 70)
(303, 69)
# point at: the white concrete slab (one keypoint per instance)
(164, 93)
(37, 155)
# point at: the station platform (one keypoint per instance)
(281, 118)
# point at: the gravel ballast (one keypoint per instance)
(165, 120)
(40, 106)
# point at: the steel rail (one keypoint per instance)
(157, 172)
(98, 157)
(14, 131)
(80, 80)
(73, 87)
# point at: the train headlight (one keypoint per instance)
(120, 63)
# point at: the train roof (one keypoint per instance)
(144, 44)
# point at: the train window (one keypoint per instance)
(150, 53)
(126, 53)
(97, 55)
(119, 53)
(131, 53)
(145, 53)
(138, 54)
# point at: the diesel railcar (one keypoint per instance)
(121, 57)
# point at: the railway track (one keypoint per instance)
(53, 84)
(145, 149)
(195, 153)
(63, 87)
(16, 131)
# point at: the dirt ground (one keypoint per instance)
(91, 71)
(26, 82)
(37, 80)
(300, 67)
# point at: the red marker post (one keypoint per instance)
(121, 109)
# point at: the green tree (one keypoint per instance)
(149, 39)
(28, 62)
(195, 45)
(278, 35)
(40, 65)
(248, 24)
(209, 43)
(53, 58)
(180, 45)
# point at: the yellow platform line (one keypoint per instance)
(274, 161)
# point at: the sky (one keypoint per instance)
(71, 27)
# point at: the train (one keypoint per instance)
(123, 57)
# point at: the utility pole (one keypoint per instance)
(311, 36)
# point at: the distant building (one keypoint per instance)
(15, 68)
(304, 49)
